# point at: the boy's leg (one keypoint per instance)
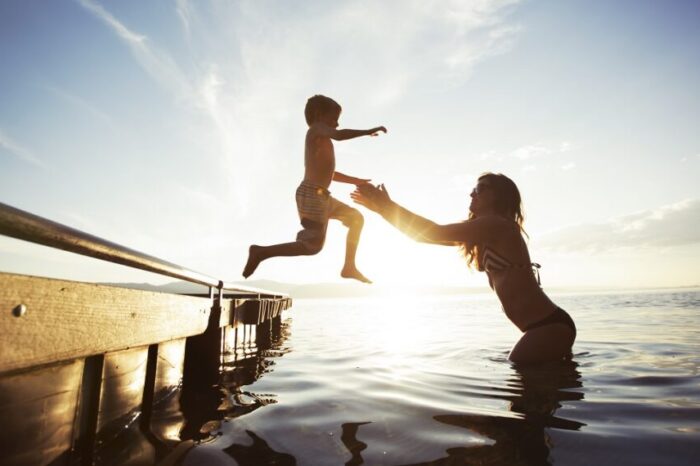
(257, 254)
(312, 205)
(351, 218)
(309, 241)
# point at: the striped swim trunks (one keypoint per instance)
(313, 203)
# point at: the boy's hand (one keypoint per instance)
(375, 131)
(342, 178)
(360, 181)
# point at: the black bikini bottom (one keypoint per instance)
(560, 316)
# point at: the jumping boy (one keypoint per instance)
(314, 202)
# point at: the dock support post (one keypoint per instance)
(263, 334)
(200, 373)
(203, 352)
(277, 327)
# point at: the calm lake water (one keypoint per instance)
(425, 380)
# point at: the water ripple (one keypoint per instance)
(361, 382)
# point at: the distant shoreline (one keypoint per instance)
(353, 290)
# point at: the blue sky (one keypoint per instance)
(176, 128)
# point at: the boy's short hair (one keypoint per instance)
(319, 105)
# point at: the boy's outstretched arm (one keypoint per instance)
(343, 178)
(344, 134)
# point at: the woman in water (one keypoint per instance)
(492, 241)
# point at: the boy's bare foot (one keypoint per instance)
(352, 272)
(253, 261)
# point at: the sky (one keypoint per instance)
(176, 128)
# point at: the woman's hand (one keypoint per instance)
(375, 198)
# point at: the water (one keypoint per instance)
(425, 380)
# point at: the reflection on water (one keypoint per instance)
(427, 382)
(354, 446)
(258, 453)
(208, 409)
(533, 396)
(537, 393)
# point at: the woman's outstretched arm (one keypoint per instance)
(419, 228)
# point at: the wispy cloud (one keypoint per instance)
(390, 47)
(158, 64)
(201, 92)
(534, 151)
(80, 103)
(687, 158)
(531, 152)
(8, 145)
(118, 27)
(667, 226)
(261, 63)
(184, 12)
(487, 155)
(469, 31)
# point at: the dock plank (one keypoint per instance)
(37, 409)
(67, 320)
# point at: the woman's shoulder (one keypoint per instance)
(496, 221)
(496, 230)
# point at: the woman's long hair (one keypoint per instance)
(508, 204)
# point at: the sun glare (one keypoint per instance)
(390, 258)
(397, 262)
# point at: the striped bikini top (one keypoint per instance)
(491, 261)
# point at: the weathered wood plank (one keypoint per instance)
(123, 378)
(166, 418)
(251, 311)
(254, 311)
(227, 312)
(119, 439)
(37, 409)
(247, 311)
(67, 320)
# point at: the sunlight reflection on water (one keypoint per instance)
(426, 379)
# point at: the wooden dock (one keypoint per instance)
(80, 362)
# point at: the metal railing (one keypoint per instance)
(26, 226)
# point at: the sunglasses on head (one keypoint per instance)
(480, 188)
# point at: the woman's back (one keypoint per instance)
(505, 258)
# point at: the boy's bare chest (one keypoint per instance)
(324, 147)
(320, 151)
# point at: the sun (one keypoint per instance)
(396, 261)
